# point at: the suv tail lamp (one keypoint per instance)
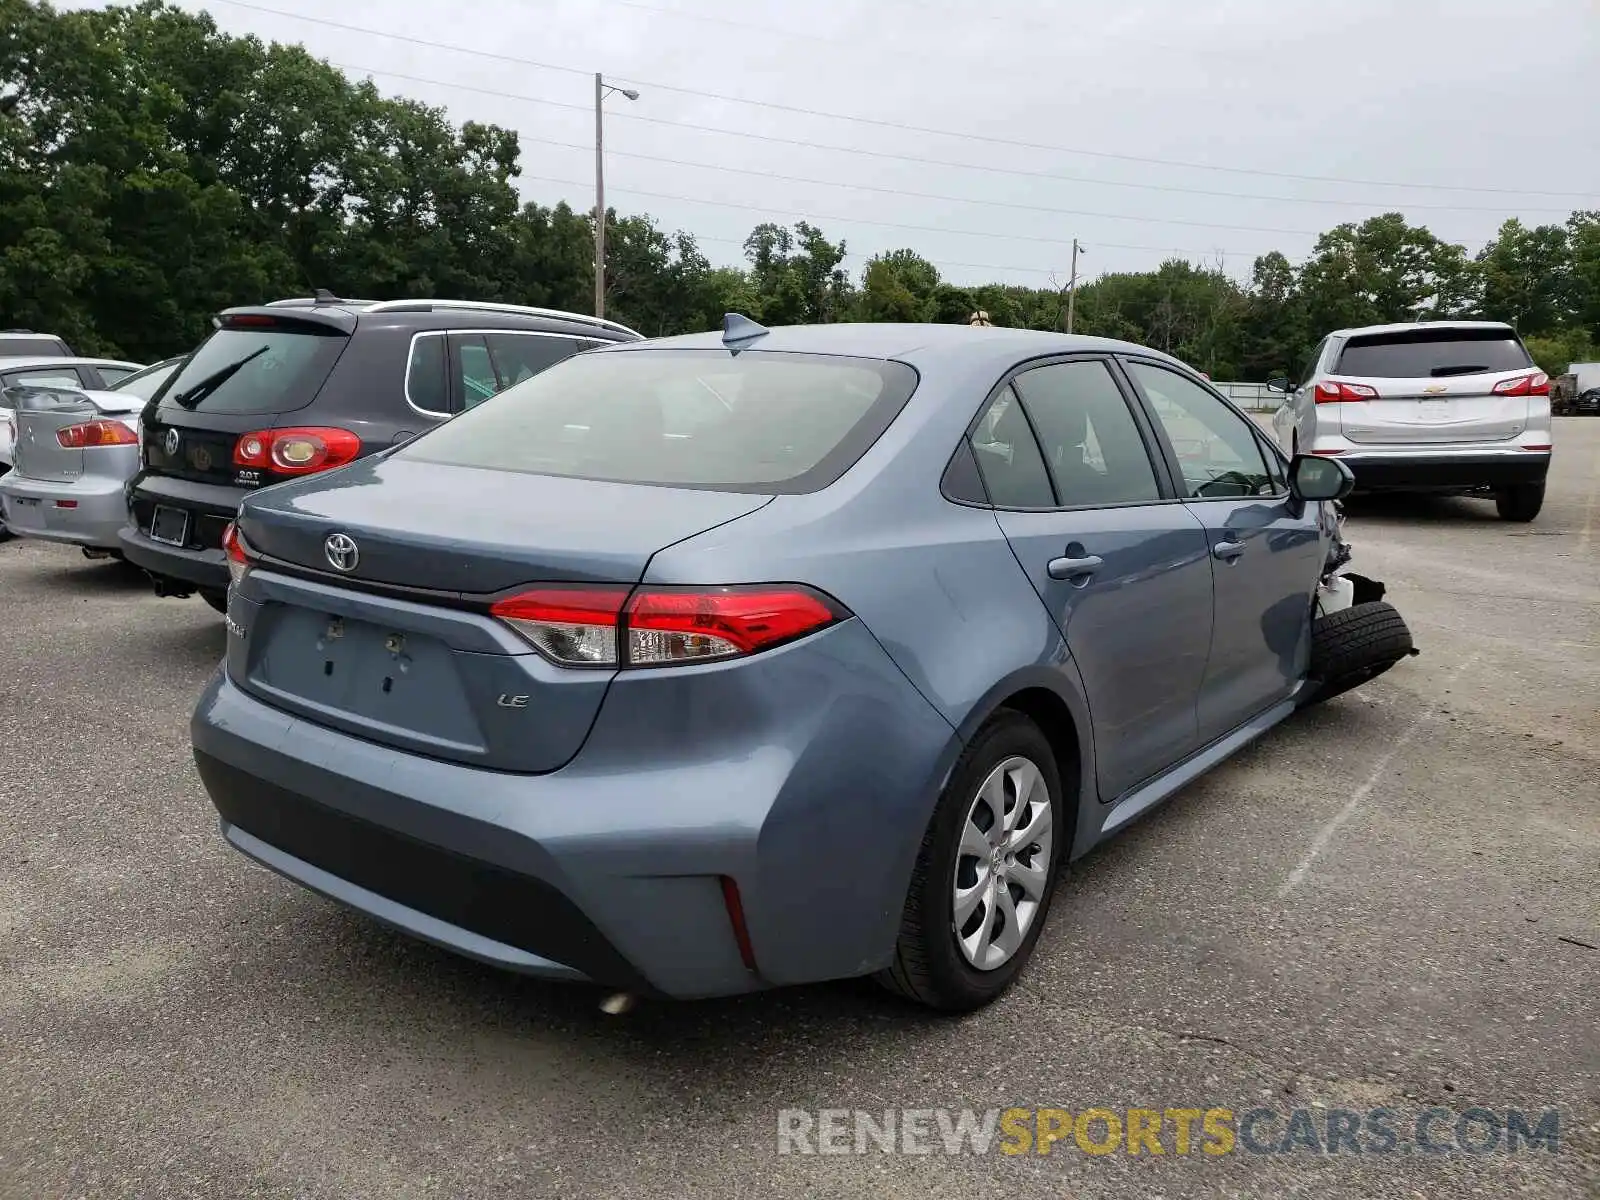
(1537, 384)
(240, 557)
(597, 626)
(95, 433)
(296, 451)
(1330, 392)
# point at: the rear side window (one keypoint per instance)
(751, 422)
(1008, 457)
(1432, 354)
(247, 370)
(31, 347)
(521, 356)
(1089, 437)
(425, 375)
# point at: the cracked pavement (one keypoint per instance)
(175, 1021)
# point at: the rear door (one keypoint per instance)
(1265, 557)
(1119, 563)
(1432, 385)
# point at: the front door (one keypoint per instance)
(1266, 551)
(1121, 567)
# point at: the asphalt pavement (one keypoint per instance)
(1390, 902)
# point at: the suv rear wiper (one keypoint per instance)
(192, 396)
(1464, 369)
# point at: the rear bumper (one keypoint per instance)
(1453, 471)
(34, 508)
(200, 562)
(813, 800)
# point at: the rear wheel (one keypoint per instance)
(1520, 501)
(1355, 645)
(984, 876)
(217, 600)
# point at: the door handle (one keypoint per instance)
(1228, 551)
(1068, 568)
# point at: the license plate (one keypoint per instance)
(25, 501)
(1434, 410)
(169, 525)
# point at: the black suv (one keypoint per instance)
(304, 385)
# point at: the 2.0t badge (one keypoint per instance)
(341, 551)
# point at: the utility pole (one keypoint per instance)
(1072, 286)
(599, 198)
(601, 90)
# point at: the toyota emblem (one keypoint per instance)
(172, 442)
(341, 551)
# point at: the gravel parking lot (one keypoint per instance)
(1393, 900)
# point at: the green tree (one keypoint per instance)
(1526, 277)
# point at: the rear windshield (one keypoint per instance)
(1432, 353)
(256, 370)
(752, 422)
(30, 347)
(141, 385)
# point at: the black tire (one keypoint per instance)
(217, 600)
(5, 534)
(1355, 645)
(928, 965)
(1520, 501)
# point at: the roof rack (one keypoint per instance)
(488, 306)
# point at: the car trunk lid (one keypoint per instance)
(397, 645)
(38, 454)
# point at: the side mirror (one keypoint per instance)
(1280, 383)
(1313, 477)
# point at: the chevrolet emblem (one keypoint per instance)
(1435, 389)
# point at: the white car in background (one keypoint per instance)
(1454, 407)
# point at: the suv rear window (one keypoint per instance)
(1432, 353)
(269, 370)
(751, 422)
(29, 347)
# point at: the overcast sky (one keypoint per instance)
(1481, 107)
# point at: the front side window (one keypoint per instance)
(752, 422)
(1217, 451)
(1088, 435)
(1013, 469)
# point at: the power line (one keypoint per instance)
(806, 214)
(899, 126)
(631, 116)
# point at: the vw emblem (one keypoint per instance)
(341, 551)
(172, 442)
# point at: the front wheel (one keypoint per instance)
(1520, 501)
(984, 876)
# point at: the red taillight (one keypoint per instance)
(1329, 392)
(596, 626)
(296, 451)
(1537, 384)
(95, 433)
(741, 930)
(237, 550)
(249, 321)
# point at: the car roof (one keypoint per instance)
(906, 342)
(1404, 326)
(22, 362)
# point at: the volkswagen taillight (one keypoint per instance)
(580, 625)
(300, 450)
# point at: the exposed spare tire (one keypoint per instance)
(1354, 645)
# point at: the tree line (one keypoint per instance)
(154, 170)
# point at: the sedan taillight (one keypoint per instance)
(580, 625)
(95, 433)
(240, 558)
(1537, 384)
(1330, 392)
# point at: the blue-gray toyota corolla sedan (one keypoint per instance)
(709, 664)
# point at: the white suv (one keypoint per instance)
(1439, 406)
